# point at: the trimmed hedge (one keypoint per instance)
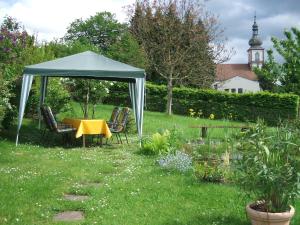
(241, 107)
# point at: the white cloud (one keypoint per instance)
(50, 18)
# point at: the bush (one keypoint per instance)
(162, 142)
(157, 144)
(179, 162)
(268, 168)
(212, 171)
(241, 107)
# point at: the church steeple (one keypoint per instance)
(256, 51)
(255, 41)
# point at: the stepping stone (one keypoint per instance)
(95, 184)
(75, 197)
(69, 216)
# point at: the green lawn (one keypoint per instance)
(132, 188)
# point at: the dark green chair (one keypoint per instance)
(52, 125)
(120, 125)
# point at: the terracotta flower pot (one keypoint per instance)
(263, 218)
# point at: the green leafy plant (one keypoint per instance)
(157, 144)
(267, 168)
(209, 172)
(162, 142)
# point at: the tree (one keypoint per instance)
(101, 30)
(104, 34)
(127, 50)
(269, 74)
(286, 73)
(180, 41)
(15, 46)
(289, 49)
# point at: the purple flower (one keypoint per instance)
(1, 37)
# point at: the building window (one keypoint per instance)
(233, 90)
(227, 90)
(256, 57)
(240, 90)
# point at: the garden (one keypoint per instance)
(175, 178)
(205, 157)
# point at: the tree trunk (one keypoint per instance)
(86, 105)
(169, 96)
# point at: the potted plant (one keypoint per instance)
(267, 170)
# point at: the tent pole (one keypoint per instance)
(44, 84)
(26, 86)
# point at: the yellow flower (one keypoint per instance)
(211, 116)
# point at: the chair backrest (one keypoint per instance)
(114, 115)
(49, 118)
(122, 119)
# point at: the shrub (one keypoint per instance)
(179, 161)
(268, 168)
(214, 169)
(157, 144)
(162, 142)
(242, 107)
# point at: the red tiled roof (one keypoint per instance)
(227, 71)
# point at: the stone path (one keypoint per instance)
(71, 197)
(69, 216)
(75, 215)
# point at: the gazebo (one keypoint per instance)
(86, 65)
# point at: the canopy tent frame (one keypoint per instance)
(77, 66)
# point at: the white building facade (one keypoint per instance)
(237, 84)
(240, 78)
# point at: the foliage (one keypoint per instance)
(269, 74)
(158, 144)
(287, 73)
(163, 142)
(177, 38)
(101, 30)
(240, 107)
(289, 49)
(57, 96)
(208, 172)
(104, 34)
(267, 167)
(127, 50)
(5, 95)
(178, 161)
(15, 46)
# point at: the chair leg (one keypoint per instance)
(126, 138)
(120, 138)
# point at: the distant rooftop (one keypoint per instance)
(227, 71)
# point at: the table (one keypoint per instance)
(87, 126)
(204, 128)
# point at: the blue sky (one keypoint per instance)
(49, 19)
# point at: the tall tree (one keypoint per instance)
(289, 49)
(180, 41)
(287, 74)
(101, 30)
(269, 74)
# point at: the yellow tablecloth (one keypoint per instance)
(85, 126)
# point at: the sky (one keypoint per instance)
(49, 19)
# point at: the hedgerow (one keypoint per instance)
(240, 107)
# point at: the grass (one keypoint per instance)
(133, 189)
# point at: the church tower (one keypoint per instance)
(256, 51)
